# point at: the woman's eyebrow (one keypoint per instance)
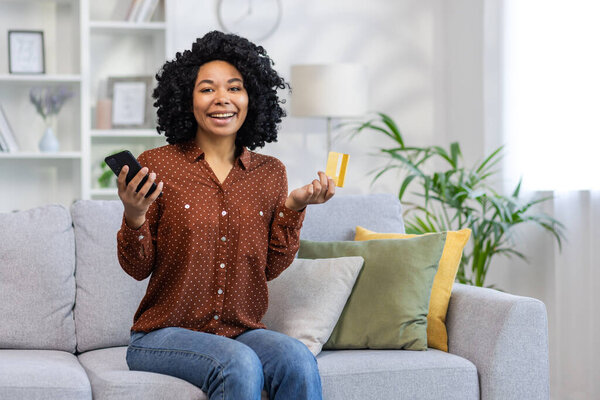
(211, 82)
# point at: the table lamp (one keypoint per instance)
(330, 91)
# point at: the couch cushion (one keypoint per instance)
(37, 282)
(396, 374)
(107, 297)
(381, 212)
(388, 306)
(345, 374)
(43, 375)
(111, 379)
(306, 300)
(437, 336)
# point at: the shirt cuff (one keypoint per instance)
(290, 218)
(133, 237)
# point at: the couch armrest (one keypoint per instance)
(505, 336)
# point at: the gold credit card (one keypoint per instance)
(332, 167)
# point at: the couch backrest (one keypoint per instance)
(107, 298)
(337, 218)
(37, 283)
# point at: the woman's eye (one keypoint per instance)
(205, 90)
(236, 89)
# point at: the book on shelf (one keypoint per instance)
(147, 10)
(141, 10)
(3, 146)
(133, 10)
(8, 141)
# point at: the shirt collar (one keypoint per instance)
(192, 152)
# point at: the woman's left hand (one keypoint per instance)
(317, 192)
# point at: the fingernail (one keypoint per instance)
(153, 175)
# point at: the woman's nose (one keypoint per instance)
(222, 97)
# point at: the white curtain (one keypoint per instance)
(573, 301)
(568, 282)
(550, 74)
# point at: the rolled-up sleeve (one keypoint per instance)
(284, 238)
(136, 248)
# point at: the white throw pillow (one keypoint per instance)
(307, 299)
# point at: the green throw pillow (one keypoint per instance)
(388, 306)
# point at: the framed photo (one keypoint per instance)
(26, 52)
(131, 102)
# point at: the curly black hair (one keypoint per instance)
(175, 87)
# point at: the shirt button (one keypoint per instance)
(216, 317)
(140, 237)
(223, 238)
(187, 206)
(281, 214)
(261, 213)
(220, 291)
(224, 212)
(222, 265)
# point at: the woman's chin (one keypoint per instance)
(220, 132)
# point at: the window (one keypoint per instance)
(551, 93)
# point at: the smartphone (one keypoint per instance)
(117, 161)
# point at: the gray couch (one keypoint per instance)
(66, 307)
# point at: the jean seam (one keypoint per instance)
(221, 367)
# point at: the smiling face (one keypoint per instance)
(220, 101)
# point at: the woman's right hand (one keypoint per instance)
(136, 204)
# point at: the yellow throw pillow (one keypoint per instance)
(437, 336)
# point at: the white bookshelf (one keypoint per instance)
(64, 78)
(123, 133)
(105, 192)
(124, 27)
(85, 42)
(31, 155)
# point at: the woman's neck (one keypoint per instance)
(221, 151)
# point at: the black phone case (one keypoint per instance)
(117, 161)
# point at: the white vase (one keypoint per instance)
(49, 143)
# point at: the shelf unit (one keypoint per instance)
(37, 155)
(7, 78)
(123, 27)
(85, 42)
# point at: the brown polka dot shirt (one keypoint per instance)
(211, 247)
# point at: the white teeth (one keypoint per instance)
(222, 115)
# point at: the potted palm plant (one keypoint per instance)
(457, 197)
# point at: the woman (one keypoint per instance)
(224, 226)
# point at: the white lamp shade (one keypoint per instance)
(333, 90)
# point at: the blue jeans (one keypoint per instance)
(230, 368)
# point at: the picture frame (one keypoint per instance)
(26, 54)
(131, 102)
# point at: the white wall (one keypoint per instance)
(435, 67)
(425, 62)
(394, 39)
(426, 66)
